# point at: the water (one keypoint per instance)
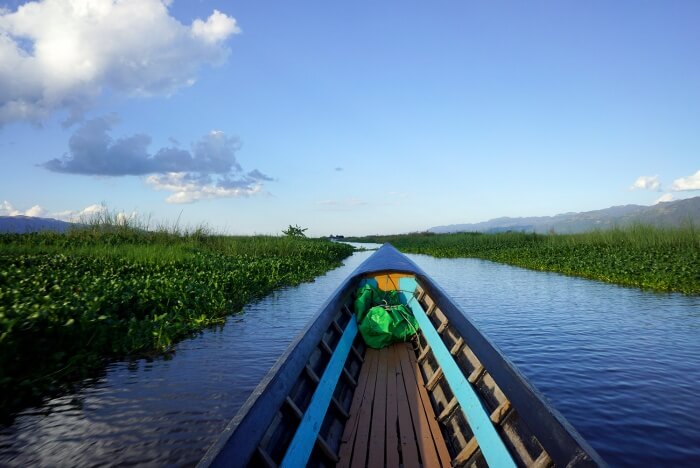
(622, 365)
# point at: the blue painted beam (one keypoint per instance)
(304, 438)
(492, 447)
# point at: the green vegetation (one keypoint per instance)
(295, 231)
(69, 302)
(641, 256)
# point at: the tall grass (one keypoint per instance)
(661, 259)
(69, 302)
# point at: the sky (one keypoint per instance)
(348, 118)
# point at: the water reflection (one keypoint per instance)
(622, 365)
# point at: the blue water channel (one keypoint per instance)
(622, 365)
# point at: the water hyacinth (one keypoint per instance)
(660, 259)
(69, 302)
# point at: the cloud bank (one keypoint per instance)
(692, 182)
(8, 209)
(62, 54)
(209, 169)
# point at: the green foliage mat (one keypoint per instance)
(70, 302)
(659, 259)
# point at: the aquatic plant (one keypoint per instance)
(69, 302)
(660, 259)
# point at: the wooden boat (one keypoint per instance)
(448, 398)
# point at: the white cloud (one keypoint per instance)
(647, 183)
(666, 197)
(217, 27)
(7, 209)
(62, 54)
(692, 182)
(88, 212)
(188, 189)
(36, 211)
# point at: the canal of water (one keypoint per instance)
(622, 365)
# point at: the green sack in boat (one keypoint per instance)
(369, 296)
(382, 325)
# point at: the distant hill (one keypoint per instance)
(672, 213)
(24, 224)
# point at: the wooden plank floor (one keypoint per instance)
(391, 420)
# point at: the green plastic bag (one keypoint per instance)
(382, 319)
(368, 296)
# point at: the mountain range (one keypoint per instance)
(673, 213)
(24, 224)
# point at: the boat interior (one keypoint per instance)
(428, 402)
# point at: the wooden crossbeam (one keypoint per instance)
(467, 452)
(433, 380)
(339, 408)
(543, 461)
(349, 377)
(312, 375)
(424, 354)
(457, 346)
(266, 458)
(500, 412)
(357, 354)
(476, 374)
(445, 413)
(326, 449)
(325, 347)
(337, 327)
(295, 409)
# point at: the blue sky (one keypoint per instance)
(346, 117)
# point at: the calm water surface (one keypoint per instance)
(622, 365)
